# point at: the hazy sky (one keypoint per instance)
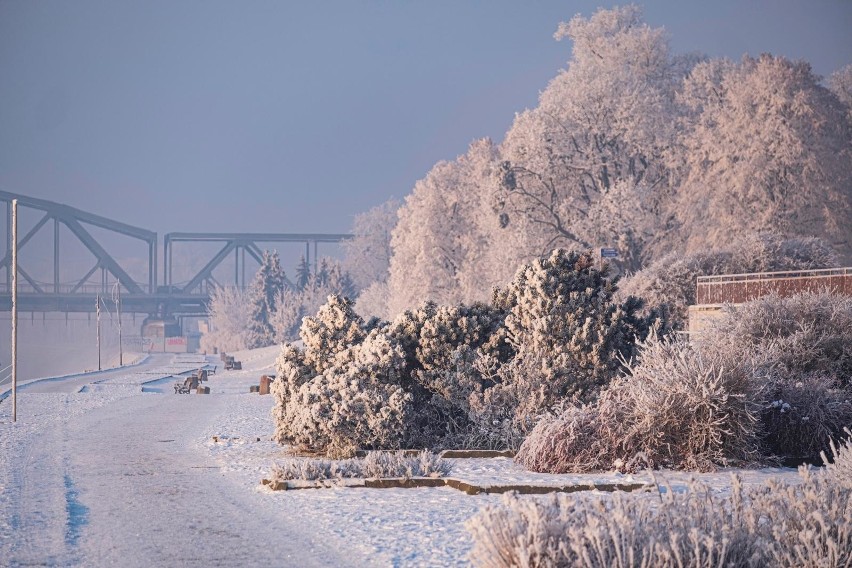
(294, 116)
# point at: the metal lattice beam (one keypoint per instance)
(73, 219)
(234, 243)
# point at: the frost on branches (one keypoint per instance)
(634, 147)
(769, 381)
(268, 284)
(454, 375)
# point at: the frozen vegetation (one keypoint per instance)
(777, 524)
(472, 315)
(471, 376)
(374, 464)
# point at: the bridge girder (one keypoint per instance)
(73, 220)
(190, 299)
(234, 243)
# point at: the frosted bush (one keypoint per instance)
(374, 464)
(355, 403)
(449, 327)
(334, 329)
(571, 441)
(398, 464)
(800, 417)
(679, 407)
(803, 334)
(475, 376)
(779, 524)
(563, 319)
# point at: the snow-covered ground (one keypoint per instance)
(106, 474)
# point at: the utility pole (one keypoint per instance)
(118, 309)
(98, 319)
(14, 310)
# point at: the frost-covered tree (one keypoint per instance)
(587, 166)
(269, 282)
(840, 84)
(303, 273)
(768, 148)
(440, 243)
(227, 319)
(367, 254)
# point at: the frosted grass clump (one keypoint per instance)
(839, 467)
(374, 464)
(808, 333)
(678, 407)
(778, 524)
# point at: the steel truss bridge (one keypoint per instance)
(107, 273)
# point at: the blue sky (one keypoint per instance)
(294, 116)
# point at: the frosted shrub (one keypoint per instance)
(570, 441)
(803, 344)
(475, 376)
(690, 408)
(800, 417)
(779, 524)
(678, 407)
(334, 329)
(449, 327)
(802, 334)
(356, 402)
(374, 464)
(563, 319)
(442, 345)
(398, 464)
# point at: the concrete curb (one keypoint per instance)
(463, 486)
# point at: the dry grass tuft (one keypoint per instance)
(780, 524)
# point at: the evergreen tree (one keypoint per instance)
(303, 273)
(268, 284)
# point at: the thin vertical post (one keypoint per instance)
(154, 267)
(14, 285)
(167, 263)
(98, 325)
(308, 255)
(9, 242)
(316, 258)
(118, 309)
(55, 255)
(237, 266)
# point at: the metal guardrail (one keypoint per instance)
(761, 276)
(739, 288)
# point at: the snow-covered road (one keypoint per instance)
(112, 476)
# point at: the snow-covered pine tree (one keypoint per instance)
(303, 273)
(268, 284)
